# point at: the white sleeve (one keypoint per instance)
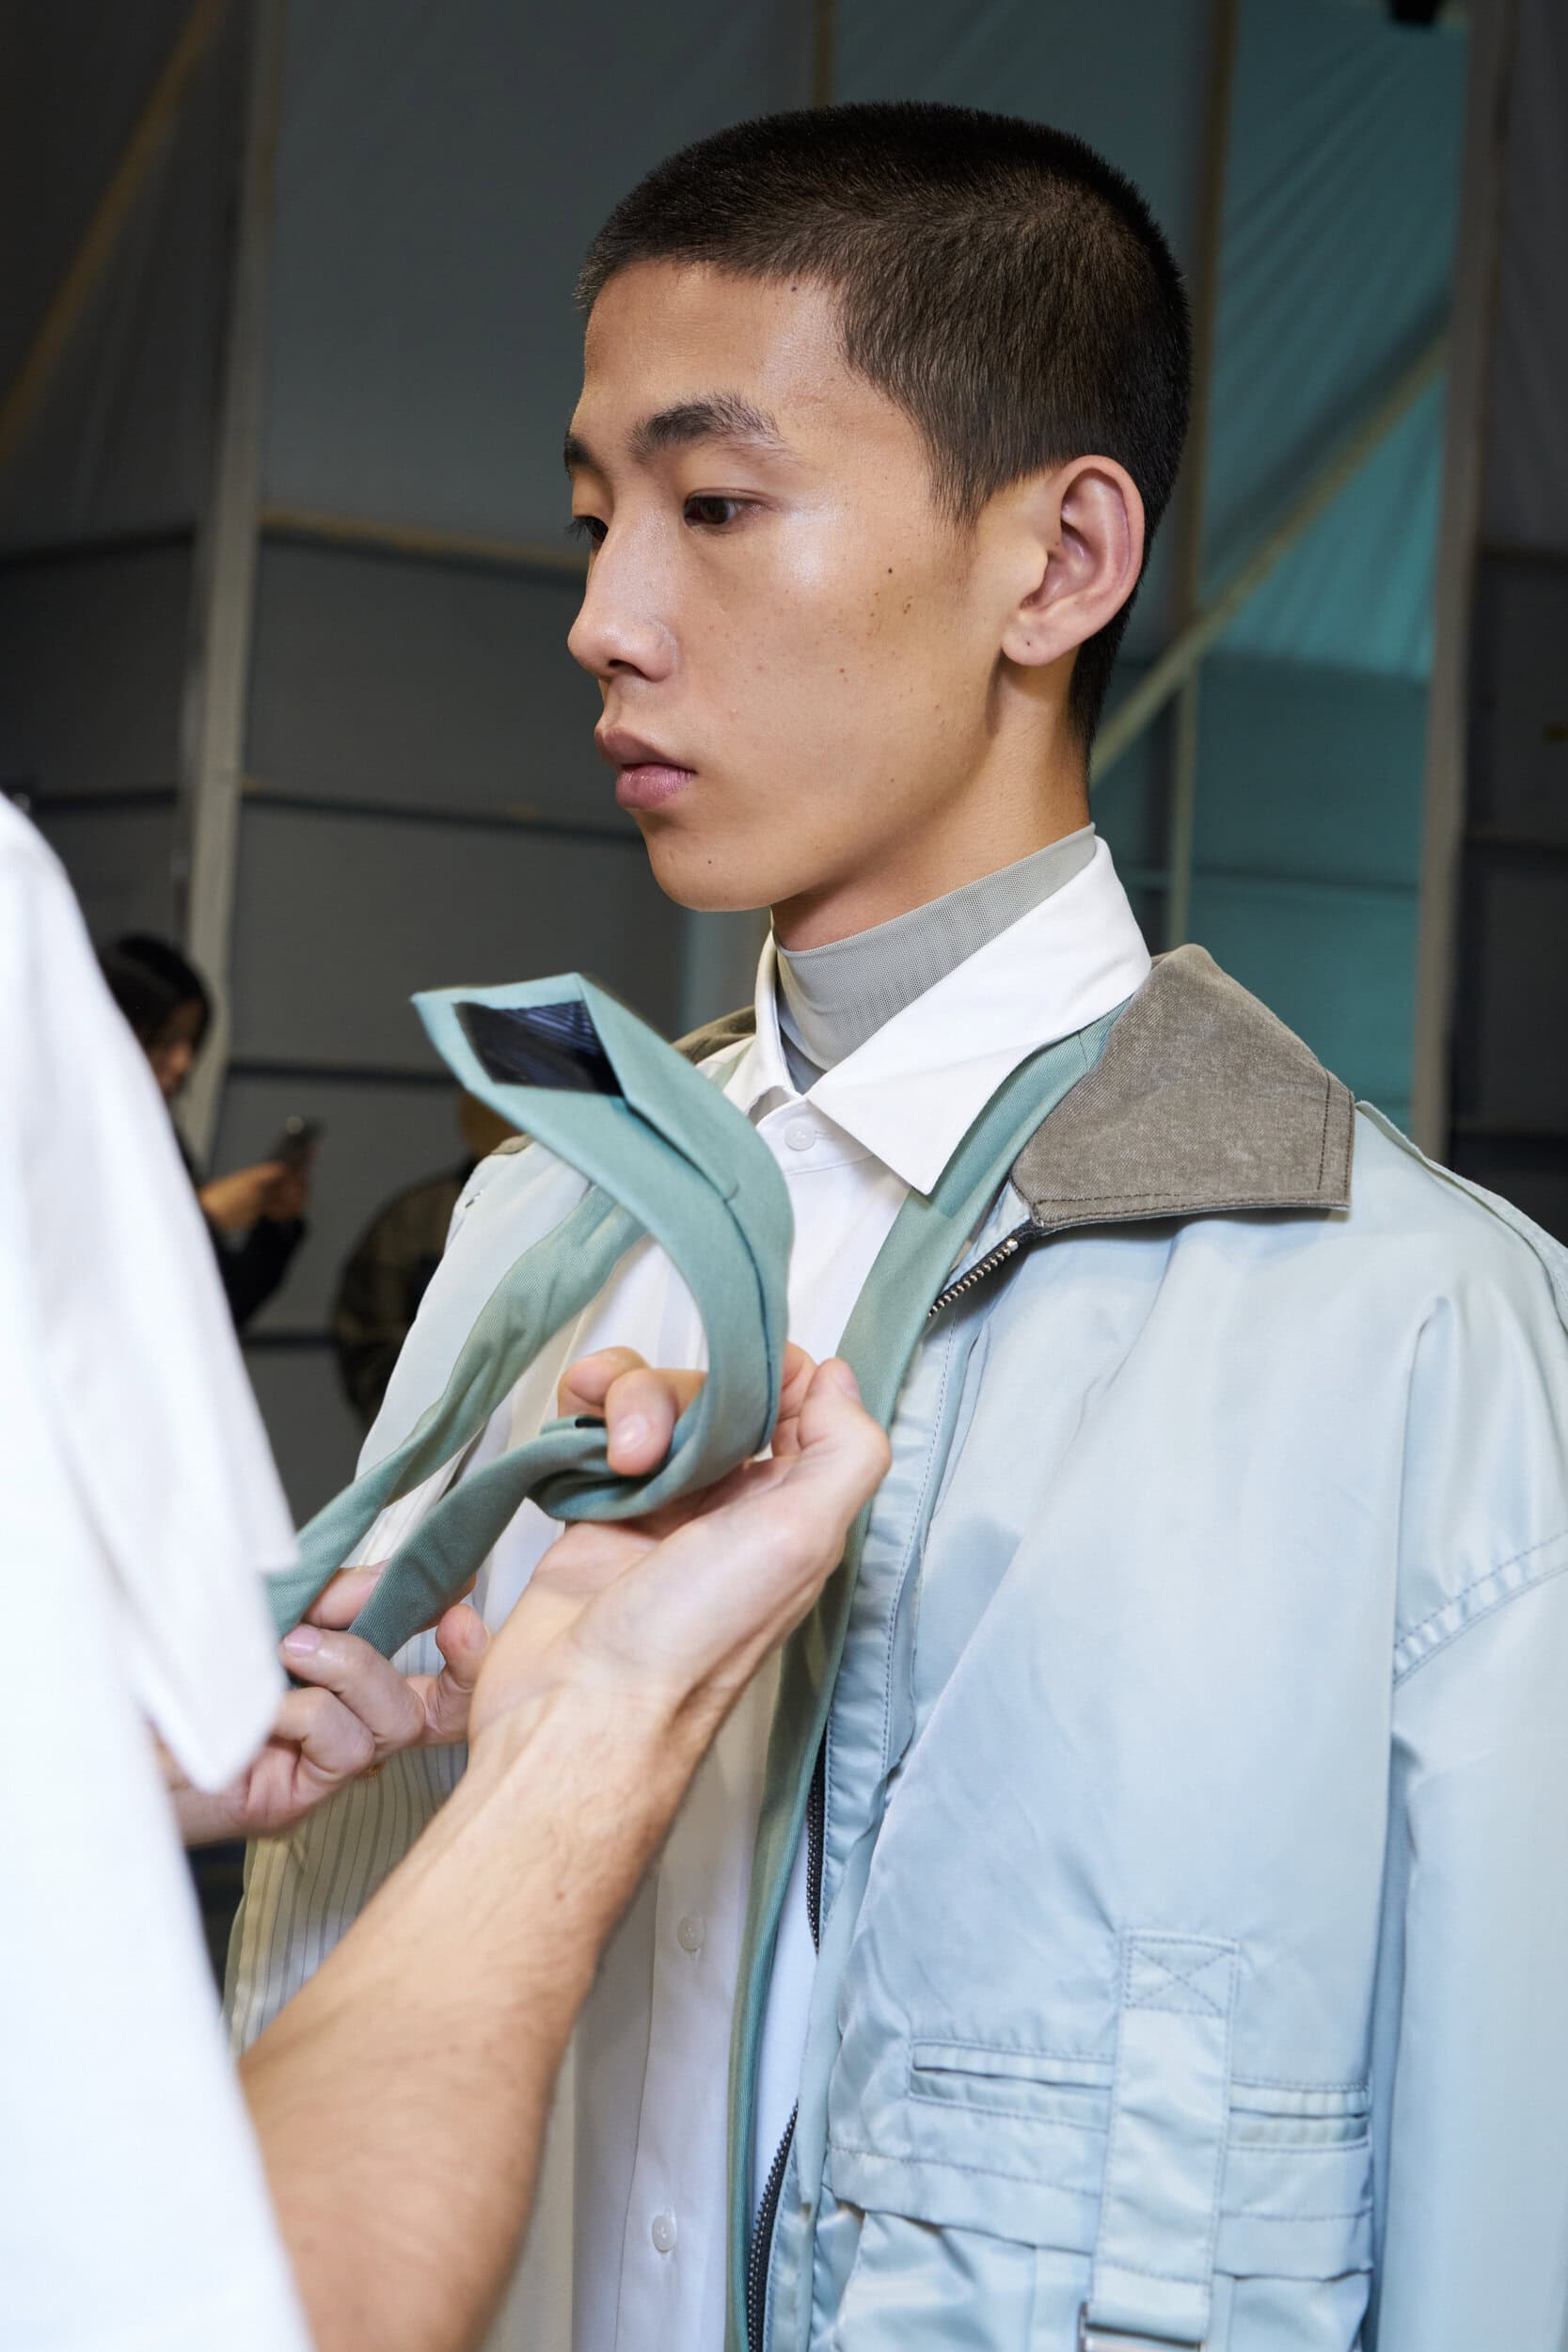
(116, 1328)
(134, 2213)
(137, 1506)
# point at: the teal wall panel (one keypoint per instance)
(1310, 772)
(1336, 964)
(1307, 851)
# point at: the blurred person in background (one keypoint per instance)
(256, 1216)
(392, 1264)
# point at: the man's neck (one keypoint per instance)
(831, 999)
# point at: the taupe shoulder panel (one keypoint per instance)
(1201, 1101)
(732, 1028)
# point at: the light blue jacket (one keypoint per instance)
(1194, 1918)
(1195, 1907)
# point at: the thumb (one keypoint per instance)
(842, 1453)
(463, 1640)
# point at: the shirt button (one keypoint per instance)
(800, 1135)
(690, 1933)
(664, 2232)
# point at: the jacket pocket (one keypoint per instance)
(1151, 2185)
(1296, 2200)
(1290, 2115)
(1036, 2087)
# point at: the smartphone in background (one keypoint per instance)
(298, 1141)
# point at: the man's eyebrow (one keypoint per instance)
(717, 416)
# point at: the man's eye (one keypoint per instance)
(712, 512)
(589, 528)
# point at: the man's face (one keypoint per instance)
(796, 648)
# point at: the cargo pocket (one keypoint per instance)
(1072, 2093)
(1038, 2199)
(1296, 2215)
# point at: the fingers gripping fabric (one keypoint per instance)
(666, 1156)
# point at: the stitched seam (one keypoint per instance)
(1328, 1106)
(907, 1567)
(1352, 2213)
(1203, 1204)
(1500, 1568)
(1280, 2082)
(953, 2164)
(1222, 2138)
(1403, 1674)
(1147, 2270)
(1116, 2103)
(1009, 2115)
(1302, 2147)
(1186, 1979)
(1032, 2180)
(999, 2049)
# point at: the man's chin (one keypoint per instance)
(704, 883)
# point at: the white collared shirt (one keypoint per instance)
(627, 2248)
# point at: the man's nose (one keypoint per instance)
(622, 626)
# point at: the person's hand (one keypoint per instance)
(355, 1712)
(234, 1203)
(288, 1196)
(663, 1621)
(640, 1404)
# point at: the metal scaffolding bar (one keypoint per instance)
(1492, 53)
(215, 715)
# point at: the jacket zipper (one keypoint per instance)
(984, 1268)
(761, 2251)
(767, 2211)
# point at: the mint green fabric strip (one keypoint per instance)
(666, 1154)
(911, 1268)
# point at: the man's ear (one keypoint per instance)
(1087, 525)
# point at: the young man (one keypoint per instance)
(1148, 1929)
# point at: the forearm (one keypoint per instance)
(400, 2098)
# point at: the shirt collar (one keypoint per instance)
(912, 1092)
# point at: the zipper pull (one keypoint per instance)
(981, 1270)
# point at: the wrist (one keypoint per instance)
(589, 1785)
(626, 1742)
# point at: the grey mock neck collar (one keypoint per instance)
(1201, 1105)
(832, 999)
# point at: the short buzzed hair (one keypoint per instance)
(1002, 283)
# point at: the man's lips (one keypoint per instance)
(646, 776)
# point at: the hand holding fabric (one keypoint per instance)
(668, 1617)
(352, 1714)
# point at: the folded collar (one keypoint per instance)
(912, 1092)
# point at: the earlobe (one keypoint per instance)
(1090, 554)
